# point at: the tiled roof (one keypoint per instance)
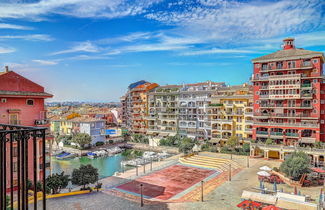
(295, 53)
(23, 93)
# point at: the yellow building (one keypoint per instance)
(231, 113)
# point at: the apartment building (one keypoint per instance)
(231, 113)
(22, 103)
(134, 106)
(289, 98)
(181, 109)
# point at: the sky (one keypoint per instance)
(86, 50)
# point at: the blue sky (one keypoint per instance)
(90, 50)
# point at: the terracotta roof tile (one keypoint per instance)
(295, 53)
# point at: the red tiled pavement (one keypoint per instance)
(168, 182)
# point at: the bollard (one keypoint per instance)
(247, 161)
(202, 191)
(230, 156)
(141, 192)
(151, 164)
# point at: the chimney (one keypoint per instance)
(288, 43)
(6, 69)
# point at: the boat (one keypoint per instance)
(91, 155)
(65, 155)
(114, 150)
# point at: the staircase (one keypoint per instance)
(209, 162)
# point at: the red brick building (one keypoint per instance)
(22, 103)
(289, 96)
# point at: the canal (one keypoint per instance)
(106, 166)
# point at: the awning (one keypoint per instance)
(292, 204)
(259, 197)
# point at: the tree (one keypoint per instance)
(269, 141)
(186, 145)
(232, 142)
(296, 165)
(85, 175)
(56, 182)
(246, 147)
(82, 139)
(126, 136)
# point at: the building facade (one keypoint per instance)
(289, 98)
(22, 103)
(134, 106)
(231, 113)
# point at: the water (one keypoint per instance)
(106, 166)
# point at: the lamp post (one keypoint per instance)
(141, 192)
(150, 163)
(229, 172)
(136, 169)
(144, 167)
(202, 190)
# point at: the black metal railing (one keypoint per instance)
(18, 138)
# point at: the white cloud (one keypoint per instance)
(80, 47)
(215, 20)
(45, 62)
(12, 26)
(218, 51)
(77, 8)
(31, 37)
(5, 50)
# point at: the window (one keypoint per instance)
(322, 101)
(315, 61)
(30, 102)
(322, 111)
(322, 92)
(315, 81)
(3, 100)
(322, 121)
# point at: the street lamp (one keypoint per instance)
(202, 190)
(141, 192)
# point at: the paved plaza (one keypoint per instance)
(166, 183)
(219, 193)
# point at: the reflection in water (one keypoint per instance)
(106, 166)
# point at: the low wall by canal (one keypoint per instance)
(146, 147)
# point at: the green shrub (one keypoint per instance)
(246, 147)
(99, 143)
(110, 141)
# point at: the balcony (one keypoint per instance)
(262, 132)
(299, 125)
(276, 134)
(292, 134)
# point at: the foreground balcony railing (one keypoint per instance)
(14, 136)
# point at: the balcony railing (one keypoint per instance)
(13, 136)
(315, 125)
